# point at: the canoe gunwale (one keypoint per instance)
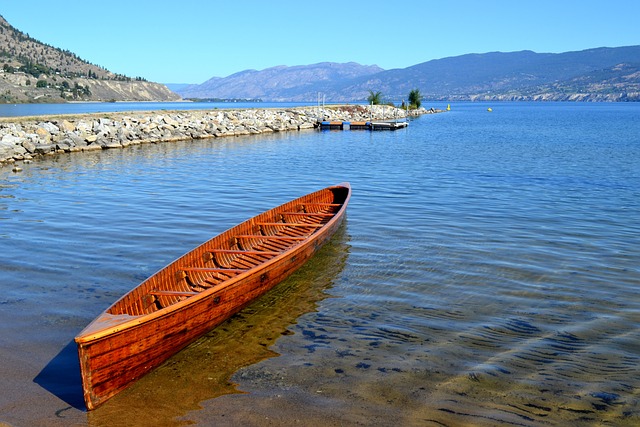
(118, 347)
(135, 321)
(120, 323)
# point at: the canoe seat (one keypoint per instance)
(212, 270)
(240, 252)
(289, 224)
(263, 237)
(174, 293)
(309, 213)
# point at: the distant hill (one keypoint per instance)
(618, 83)
(174, 87)
(32, 71)
(280, 83)
(602, 74)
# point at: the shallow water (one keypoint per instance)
(17, 110)
(487, 274)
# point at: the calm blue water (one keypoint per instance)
(16, 110)
(488, 274)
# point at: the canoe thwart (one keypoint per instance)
(263, 237)
(290, 224)
(241, 251)
(174, 293)
(212, 270)
(308, 213)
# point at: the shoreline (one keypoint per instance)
(24, 139)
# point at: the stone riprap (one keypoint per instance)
(22, 139)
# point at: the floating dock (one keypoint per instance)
(388, 125)
(379, 125)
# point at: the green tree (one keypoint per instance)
(415, 99)
(374, 98)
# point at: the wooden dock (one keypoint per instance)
(378, 125)
(391, 125)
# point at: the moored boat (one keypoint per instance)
(201, 289)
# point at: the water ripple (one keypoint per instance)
(491, 278)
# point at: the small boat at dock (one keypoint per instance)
(202, 289)
(368, 125)
(389, 125)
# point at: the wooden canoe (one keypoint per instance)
(201, 289)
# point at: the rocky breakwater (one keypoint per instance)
(23, 139)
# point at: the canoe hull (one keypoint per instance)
(110, 361)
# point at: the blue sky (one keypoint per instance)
(190, 41)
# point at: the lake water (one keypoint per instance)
(16, 110)
(488, 273)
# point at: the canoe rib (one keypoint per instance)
(201, 289)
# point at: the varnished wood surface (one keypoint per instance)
(201, 289)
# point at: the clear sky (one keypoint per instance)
(190, 41)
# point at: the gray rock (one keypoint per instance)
(6, 153)
(10, 140)
(43, 148)
(77, 140)
(49, 127)
(29, 146)
(64, 145)
(66, 126)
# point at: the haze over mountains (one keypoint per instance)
(601, 74)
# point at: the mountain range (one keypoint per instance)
(600, 74)
(32, 71)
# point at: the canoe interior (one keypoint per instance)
(233, 252)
